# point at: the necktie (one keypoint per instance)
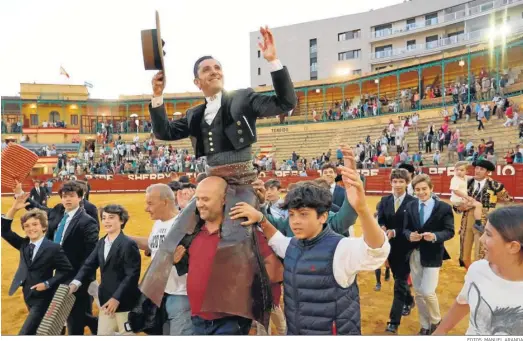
(60, 230)
(476, 192)
(30, 250)
(396, 205)
(422, 214)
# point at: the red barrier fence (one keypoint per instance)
(377, 180)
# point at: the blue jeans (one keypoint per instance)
(178, 314)
(233, 325)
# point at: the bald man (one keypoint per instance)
(160, 203)
(205, 280)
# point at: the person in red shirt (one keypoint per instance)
(202, 283)
(481, 147)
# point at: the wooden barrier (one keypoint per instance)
(376, 180)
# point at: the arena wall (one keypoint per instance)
(376, 180)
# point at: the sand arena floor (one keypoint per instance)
(375, 306)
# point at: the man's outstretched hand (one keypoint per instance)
(158, 84)
(267, 47)
(352, 181)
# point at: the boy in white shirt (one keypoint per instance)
(320, 291)
(458, 186)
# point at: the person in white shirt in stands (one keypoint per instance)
(493, 288)
(161, 206)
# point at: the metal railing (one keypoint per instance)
(469, 37)
(458, 15)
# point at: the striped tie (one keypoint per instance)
(60, 230)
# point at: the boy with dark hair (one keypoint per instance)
(329, 173)
(119, 261)
(272, 197)
(322, 297)
(390, 218)
(39, 258)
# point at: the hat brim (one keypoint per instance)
(152, 47)
(489, 166)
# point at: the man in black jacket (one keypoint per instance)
(390, 217)
(223, 129)
(39, 258)
(428, 223)
(119, 261)
(39, 194)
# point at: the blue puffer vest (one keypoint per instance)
(315, 304)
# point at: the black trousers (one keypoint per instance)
(37, 311)
(402, 295)
(428, 147)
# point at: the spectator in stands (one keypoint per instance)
(480, 116)
(518, 159)
(482, 147)
(512, 116)
(436, 158)
(468, 112)
(461, 150)
(509, 157)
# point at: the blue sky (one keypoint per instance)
(99, 41)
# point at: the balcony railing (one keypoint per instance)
(459, 15)
(470, 37)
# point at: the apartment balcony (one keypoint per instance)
(448, 19)
(437, 46)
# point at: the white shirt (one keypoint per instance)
(212, 107)
(495, 303)
(107, 246)
(351, 256)
(458, 184)
(176, 285)
(70, 216)
(481, 184)
(333, 186)
(37, 246)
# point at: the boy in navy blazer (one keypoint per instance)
(428, 223)
(39, 259)
(119, 261)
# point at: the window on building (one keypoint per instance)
(411, 23)
(54, 116)
(259, 53)
(356, 72)
(431, 19)
(74, 120)
(432, 41)
(34, 120)
(383, 30)
(313, 46)
(383, 51)
(355, 34)
(411, 44)
(262, 85)
(259, 71)
(314, 78)
(380, 67)
(455, 9)
(314, 65)
(354, 54)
